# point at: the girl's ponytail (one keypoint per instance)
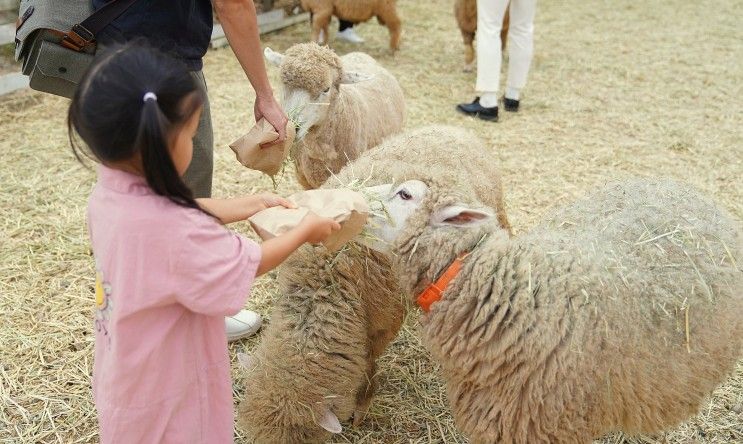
(152, 142)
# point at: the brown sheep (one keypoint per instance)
(465, 12)
(355, 11)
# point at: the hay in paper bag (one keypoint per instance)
(268, 160)
(347, 207)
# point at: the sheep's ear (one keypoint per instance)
(327, 419)
(460, 216)
(246, 361)
(350, 77)
(272, 56)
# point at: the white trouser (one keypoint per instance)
(520, 43)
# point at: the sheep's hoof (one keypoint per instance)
(358, 417)
(468, 67)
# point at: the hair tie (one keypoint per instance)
(149, 96)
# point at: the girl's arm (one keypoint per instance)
(313, 229)
(241, 208)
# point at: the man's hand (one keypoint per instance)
(269, 109)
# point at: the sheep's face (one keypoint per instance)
(307, 110)
(311, 76)
(404, 208)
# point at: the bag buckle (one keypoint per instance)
(78, 38)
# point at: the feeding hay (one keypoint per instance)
(344, 206)
(270, 160)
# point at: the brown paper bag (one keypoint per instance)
(268, 160)
(347, 207)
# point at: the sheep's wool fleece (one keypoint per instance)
(338, 311)
(619, 312)
(354, 11)
(359, 117)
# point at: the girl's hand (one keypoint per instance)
(268, 200)
(313, 229)
(241, 208)
(317, 228)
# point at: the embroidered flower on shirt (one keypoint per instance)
(103, 305)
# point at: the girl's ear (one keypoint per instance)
(460, 216)
(272, 56)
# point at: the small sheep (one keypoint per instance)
(355, 11)
(465, 12)
(342, 106)
(315, 364)
(620, 312)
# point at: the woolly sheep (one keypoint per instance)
(465, 11)
(315, 364)
(343, 106)
(620, 312)
(355, 11)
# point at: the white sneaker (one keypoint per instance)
(245, 323)
(349, 35)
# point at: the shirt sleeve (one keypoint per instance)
(215, 269)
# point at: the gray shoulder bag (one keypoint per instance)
(56, 40)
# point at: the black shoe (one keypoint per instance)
(474, 109)
(510, 104)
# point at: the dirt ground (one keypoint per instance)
(616, 89)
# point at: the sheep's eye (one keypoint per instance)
(327, 90)
(404, 195)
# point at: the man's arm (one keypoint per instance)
(240, 24)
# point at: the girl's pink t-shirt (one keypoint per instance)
(166, 277)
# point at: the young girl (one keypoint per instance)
(167, 270)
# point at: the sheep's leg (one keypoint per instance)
(469, 51)
(394, 25)
(320, 22)
(504, 29)
(366, 393)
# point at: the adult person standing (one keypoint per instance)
(520, 51)
(183, 29)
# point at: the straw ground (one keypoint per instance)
(617, 89)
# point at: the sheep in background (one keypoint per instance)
(316, 363)
(355, 11)
(623, 311)
(465, 11)
(342, 106)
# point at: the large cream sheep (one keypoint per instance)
(465, 11)
(315, 365)
(342, 106)
(622, 311)
(355, 11)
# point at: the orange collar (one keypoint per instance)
(433, 292)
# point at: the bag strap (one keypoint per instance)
(83, 34)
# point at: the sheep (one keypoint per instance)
(465, 11)
(342, 106)
(355, 11)
(315, 365)
(620, 312)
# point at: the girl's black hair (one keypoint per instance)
(109, 113)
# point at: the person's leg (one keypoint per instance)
(198, 176)
(346, 32)
(489, 56)
(343, 25)
(520, 46)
